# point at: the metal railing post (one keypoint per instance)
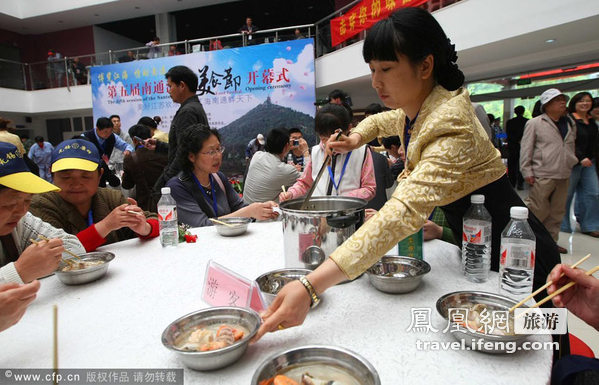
(186, 47)
(30, 78)
(24, 76)
(109, 56)
(316, 43)
(66, 72)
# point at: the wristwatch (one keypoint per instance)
(314, 298)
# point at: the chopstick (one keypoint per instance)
(65, 250)
(134, 212)
(283, 188)
(55, 334)
(545, 286)
(221, 222)
(564, 288)
(67, 261)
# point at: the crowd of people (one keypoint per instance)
(437, 149)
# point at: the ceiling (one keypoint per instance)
(23, 16)
(575, 43)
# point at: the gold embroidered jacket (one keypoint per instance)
(449, 156)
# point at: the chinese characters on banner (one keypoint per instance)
(363, 16)
(231, 82)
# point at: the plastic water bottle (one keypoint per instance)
(167, 219)
(476, 241)
(517, 256)
(290, 159)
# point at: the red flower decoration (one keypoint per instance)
(189, 238)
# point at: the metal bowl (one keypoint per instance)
(240, 226)
(214, 359)
(272, 282)
(92, 273)
(462, 299)
(395, 274)
(352, 363)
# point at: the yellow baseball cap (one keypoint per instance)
(15, 174)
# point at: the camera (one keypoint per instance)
(296, 142)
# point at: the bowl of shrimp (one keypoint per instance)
(211, 338)
(477, 315)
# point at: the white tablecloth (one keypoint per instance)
(117, 322)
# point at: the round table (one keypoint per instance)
(117, 322)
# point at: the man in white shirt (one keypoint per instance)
(268, 170)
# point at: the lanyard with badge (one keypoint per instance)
(214, 206)
(407, 134)
(332, 174)
(90, 218)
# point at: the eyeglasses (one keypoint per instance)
(214, 152)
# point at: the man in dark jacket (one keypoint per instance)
(182, 85)
(515, 129)
(105, 141)
(142, 168)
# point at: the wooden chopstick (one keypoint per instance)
(134, 212)
(68, 262)
(221, 222)
(545, 286)
(564, 288)
(55, 335)
(65, 250)
(283, 188)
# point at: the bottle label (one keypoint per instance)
(517, 256)
(474, 234)
(167, 213)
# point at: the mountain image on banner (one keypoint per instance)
(260, 120)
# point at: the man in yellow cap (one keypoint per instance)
(94, 214)
(20, 260)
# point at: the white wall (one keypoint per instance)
(105, 40)
(52, 100)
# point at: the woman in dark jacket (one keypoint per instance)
(583, 180)
(200, 190)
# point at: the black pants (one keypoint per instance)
(513, 165)
(499, 198)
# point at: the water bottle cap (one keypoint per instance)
(477, 198)
(519, 212)
(165, 190)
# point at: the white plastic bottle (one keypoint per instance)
(517, 256)
(167, 219)
(476, 241)
(290, 159)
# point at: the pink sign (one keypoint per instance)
(223, 287)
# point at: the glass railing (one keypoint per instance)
(73, 71)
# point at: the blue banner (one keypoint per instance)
(232, 83)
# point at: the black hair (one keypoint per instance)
(536, 110)
(293, 130)
(338, 94)
(276, 140)
(519, 110)
(4, 123)
(183, 74)
(329, 118)
(373, 108)
(415, 33)
(191, 142)
(114, 116)
(491, 118)
(391, 141)
(147, 121)
(576, 98)
(595, 103)
(39, 139)
(103, 123)
(141, 131)
(157, 119)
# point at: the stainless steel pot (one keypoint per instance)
(311, 235)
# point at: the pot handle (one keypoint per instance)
(343, 221)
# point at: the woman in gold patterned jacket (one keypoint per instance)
(449, 158)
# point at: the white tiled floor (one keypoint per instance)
(578, 246)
